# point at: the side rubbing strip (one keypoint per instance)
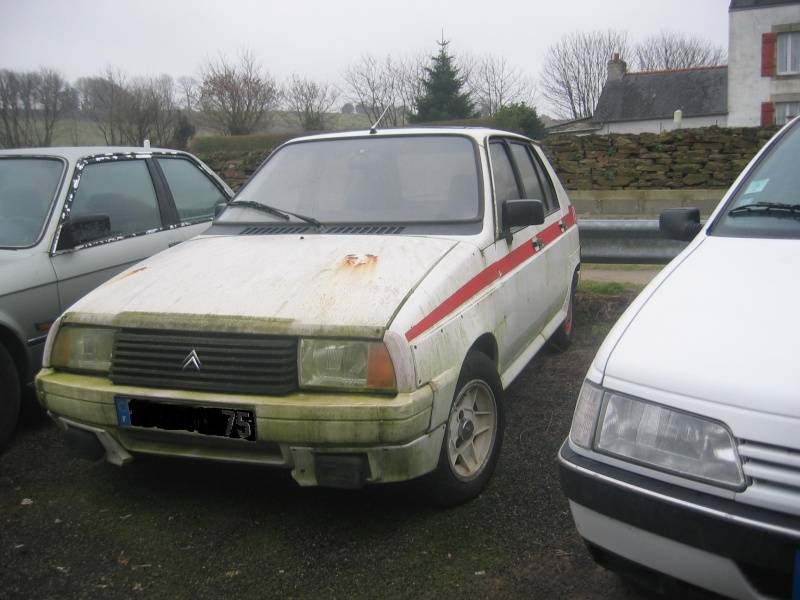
(493, 273)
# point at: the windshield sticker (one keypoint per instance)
(757, 186)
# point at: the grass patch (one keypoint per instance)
(605, 287)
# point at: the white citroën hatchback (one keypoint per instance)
(682, 467)
(354, 315)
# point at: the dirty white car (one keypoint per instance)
(70, 219)
(682, 467)
(354, 315)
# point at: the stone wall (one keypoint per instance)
(710, 157)
(615, 175)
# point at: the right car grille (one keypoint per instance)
(223, 363)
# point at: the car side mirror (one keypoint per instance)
(219, 207)
(682, 224)
(84, 228)
(521, 213)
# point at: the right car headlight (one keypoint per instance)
(656, 436)
(79, 348)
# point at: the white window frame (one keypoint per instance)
(788, 55)
(786, 111)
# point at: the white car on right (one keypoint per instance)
(682, 466)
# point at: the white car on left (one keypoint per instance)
(70, 219)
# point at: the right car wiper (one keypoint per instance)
(278, 212)
(765, 208)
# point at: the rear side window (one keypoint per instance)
(122, 190)
(195, 194)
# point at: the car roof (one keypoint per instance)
(477, 133)
(75, 153)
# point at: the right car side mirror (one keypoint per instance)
(682, 224)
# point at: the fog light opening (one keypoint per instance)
(343, 471)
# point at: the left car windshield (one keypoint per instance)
(27, 189)
(401, 179)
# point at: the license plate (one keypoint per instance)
(229, 422)
(796, 582)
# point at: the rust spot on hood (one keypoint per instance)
(358, 261)
(126, 275)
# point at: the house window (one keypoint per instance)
(788, 53)
(786, 111)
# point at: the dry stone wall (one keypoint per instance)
(682, 159)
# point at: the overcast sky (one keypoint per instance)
(318, 39)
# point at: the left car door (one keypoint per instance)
(123, 189)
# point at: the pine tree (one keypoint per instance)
(442, 99)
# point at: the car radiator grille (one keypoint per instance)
(225, 363)
(772, 466)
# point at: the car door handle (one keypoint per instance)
(173, 244)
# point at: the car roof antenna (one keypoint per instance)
(374, 128)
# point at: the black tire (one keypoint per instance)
(473, 435)
(9, 396)
(562, 338)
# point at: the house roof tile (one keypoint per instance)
(658, 94)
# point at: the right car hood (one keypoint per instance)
(722, 325)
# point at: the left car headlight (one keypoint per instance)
(345, 365)
(82, 349)
(656, 436)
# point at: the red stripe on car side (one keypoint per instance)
(491, 274)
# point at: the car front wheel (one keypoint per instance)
(473, 435)
(9, 396)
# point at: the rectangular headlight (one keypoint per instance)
(83, 349)
(345, 365)
(668, 440)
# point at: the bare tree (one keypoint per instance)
(30, 106)
(575, 71)
(147, 111)
(311, 103)
(238, 98)
(667, 51)
(100, 100)
(385, 87)
(494, 83)
(188, 88)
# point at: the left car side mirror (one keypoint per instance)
(84, 228)
(521, 213)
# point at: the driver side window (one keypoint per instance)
(121, 190)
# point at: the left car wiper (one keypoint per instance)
(284, 214)
(765, 208)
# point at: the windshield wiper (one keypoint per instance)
(765, 208)
(278, 212)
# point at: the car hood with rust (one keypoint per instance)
(322, 284)
(720, 325)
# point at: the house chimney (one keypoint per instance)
(616, 68)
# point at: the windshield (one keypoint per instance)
(27, 188)
(767, 203)
(401, 179)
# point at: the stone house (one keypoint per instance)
(759, 86)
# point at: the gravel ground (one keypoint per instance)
(184, 529)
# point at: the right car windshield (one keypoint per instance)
(767, 203)
(376, 179)
(27, 189)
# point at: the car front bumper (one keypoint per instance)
(657, 533)
(308, 433)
